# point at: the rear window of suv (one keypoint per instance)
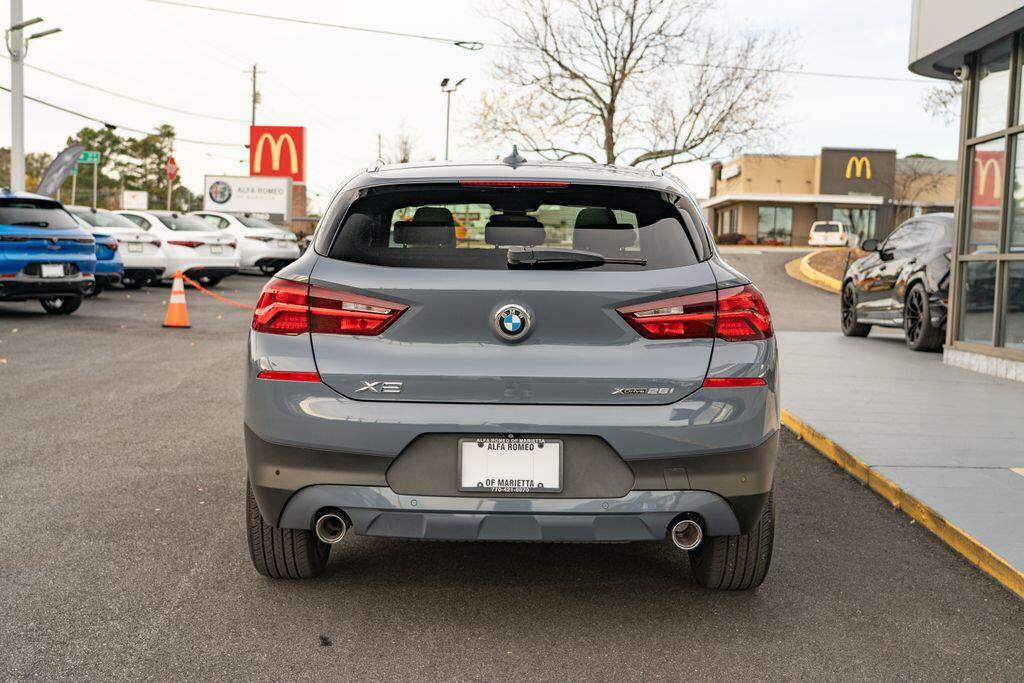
(35, 215)
(474, 227)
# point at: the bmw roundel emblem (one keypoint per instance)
(511, 322)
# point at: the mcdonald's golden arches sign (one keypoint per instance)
(278, 151)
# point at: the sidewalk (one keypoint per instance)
(945, 444)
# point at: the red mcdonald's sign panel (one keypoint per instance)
(988, 178)
(278, 151)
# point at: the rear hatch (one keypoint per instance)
(190, 231)
(469, 328)
(36, 231)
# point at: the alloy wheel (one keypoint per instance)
(913, 316)
(847, 307)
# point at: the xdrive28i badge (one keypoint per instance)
(512, 322)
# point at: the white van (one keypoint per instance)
(828, 234)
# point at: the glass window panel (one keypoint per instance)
(977, 301)
(987, 163)
(1016, 241)
(858, 221)
(774, 224)
(993, 87)
(1013, 318)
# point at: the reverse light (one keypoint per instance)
(289, 376)
(185, 243)
(733, 314)
(287, 307)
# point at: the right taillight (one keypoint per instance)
(733, 314)
(287, 307)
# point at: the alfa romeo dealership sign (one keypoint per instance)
(266, 196)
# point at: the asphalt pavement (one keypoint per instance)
(123, 556)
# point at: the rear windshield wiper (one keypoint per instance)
(527, 257)
(32, 224)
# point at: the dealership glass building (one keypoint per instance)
(984, 49)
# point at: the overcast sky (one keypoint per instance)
(347, 87)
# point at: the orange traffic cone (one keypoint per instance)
(177, 313)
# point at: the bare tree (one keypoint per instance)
(399, 150)
(943, 101)
(630, 81)
(918, 177)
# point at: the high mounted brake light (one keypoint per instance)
(514, 183)
(287, 307)
(733, 314)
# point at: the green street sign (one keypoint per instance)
(89, 158)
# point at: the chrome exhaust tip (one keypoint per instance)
(331, 527)
(687, 534)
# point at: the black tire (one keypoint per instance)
(208, 281)
(131, 282)
(848, 313)
(736, 563)
(921, 334)
(92, 289)
(269, 269)
(61, 305)
(282, 553)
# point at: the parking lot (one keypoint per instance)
(124, 548)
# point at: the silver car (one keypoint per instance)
(512, 351)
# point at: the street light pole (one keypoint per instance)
(448, 90)
(17, 46)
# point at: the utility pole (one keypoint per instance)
(380, 148)
(255, 93)
(17, 47)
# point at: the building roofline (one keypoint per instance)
(773, 198)
(942, 62)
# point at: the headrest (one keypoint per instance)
(415, 233)
(595, 216)
(436, 215)
(514, 230)
(604, 240)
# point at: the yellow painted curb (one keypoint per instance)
(956, 538)
(816, 276)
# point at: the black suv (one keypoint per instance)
(903, 282)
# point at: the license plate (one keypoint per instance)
(510, 465)
(216, 249)
(51, 269)
(135, 247)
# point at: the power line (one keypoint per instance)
(465, 44)
(114, 126)
(129, 97)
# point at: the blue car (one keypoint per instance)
(44, 253)
(109, 265)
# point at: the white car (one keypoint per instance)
(190, 245)
(828, 234)
(143, 257)
(261, 244)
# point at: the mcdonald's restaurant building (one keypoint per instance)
(774, 199)
(984, 49)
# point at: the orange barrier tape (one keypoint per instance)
(216, 296)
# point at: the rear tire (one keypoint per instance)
(61, 305)
(848, 313)
(282, 553)
(207, 281)
(269, 269)
(132, 282)
(93, 289)
(921, 334)
(736, 563)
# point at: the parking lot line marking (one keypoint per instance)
(1018, 470)
(956, 538)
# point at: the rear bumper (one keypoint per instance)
(25, 288)
(638, 516)
(726, 490)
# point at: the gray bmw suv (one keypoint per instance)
(512, 351)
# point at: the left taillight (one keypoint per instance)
(733, 314)
(287, 307)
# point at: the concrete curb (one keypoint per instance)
(960, 541)
(817, 277)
